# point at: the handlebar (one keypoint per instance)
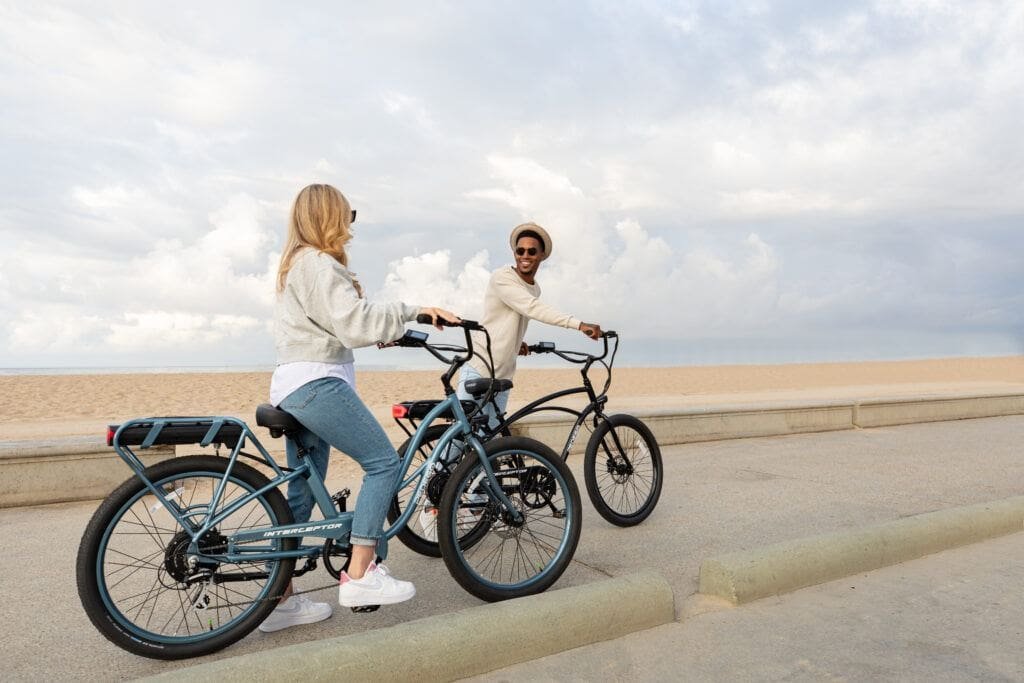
(417, 338)
(426, 319)
(549, 347)
(585, 359)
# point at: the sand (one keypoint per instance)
(51, 406)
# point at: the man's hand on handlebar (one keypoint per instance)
(435, 313)
(592, 330)
(524, 350)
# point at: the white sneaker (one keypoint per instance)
(428, 523)
(296, 610)
(377, 587)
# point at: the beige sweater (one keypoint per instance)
(509, 305)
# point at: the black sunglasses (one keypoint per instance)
(353, 216)
(532, 251)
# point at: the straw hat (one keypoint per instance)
(545, 238)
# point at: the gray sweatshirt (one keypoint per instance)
(320, 317)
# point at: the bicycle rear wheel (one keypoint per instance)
(622, 470)
(144, 591)
(490, 554)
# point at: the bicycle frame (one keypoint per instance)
(335, 525)
(595, 406)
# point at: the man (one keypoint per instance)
(511, 301)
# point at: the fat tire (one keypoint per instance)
(453, 549)
(596, 458)
(109, 514)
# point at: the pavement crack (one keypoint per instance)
(592, 567)
(762, 475)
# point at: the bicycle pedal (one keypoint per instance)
(363, 609)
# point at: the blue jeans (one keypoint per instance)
(501, 398)
(333, 415)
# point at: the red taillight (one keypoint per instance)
(111, 430)
(398, 410)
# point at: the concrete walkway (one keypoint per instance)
(719, 497)
(953, 616)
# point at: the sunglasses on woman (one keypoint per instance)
(353, 220)
(532, 251)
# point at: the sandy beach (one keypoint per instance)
(51, 406)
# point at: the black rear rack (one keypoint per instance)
(176, 431)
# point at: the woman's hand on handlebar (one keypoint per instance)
(436, 313)
(592, 330)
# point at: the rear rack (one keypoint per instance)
(175, 431)
(417, 410)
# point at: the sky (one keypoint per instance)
(723, 182)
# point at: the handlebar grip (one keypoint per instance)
(610, 334)
(425, 319)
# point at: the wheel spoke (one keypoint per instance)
(156, 587)
(506, 556)
(623, 470)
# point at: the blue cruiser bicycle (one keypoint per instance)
(190, 554)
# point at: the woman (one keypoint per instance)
(320, 316)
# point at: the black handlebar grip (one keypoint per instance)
(426, 319)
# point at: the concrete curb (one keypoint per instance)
(749, 575)
(464, 643)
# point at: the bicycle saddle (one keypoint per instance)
(277, 421)
(479, 386)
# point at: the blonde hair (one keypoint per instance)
(321, 218)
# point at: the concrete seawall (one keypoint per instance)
(62, 470)
(738, 421)
(84, 468)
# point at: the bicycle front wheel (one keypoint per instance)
(622, 470)
(490, 552)
(142, 588)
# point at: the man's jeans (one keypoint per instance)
(333, 415)
(467, 373)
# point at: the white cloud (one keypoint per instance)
(176, 296)
(617, 275)
(162, 330)
(429, 280)
(743, 168)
